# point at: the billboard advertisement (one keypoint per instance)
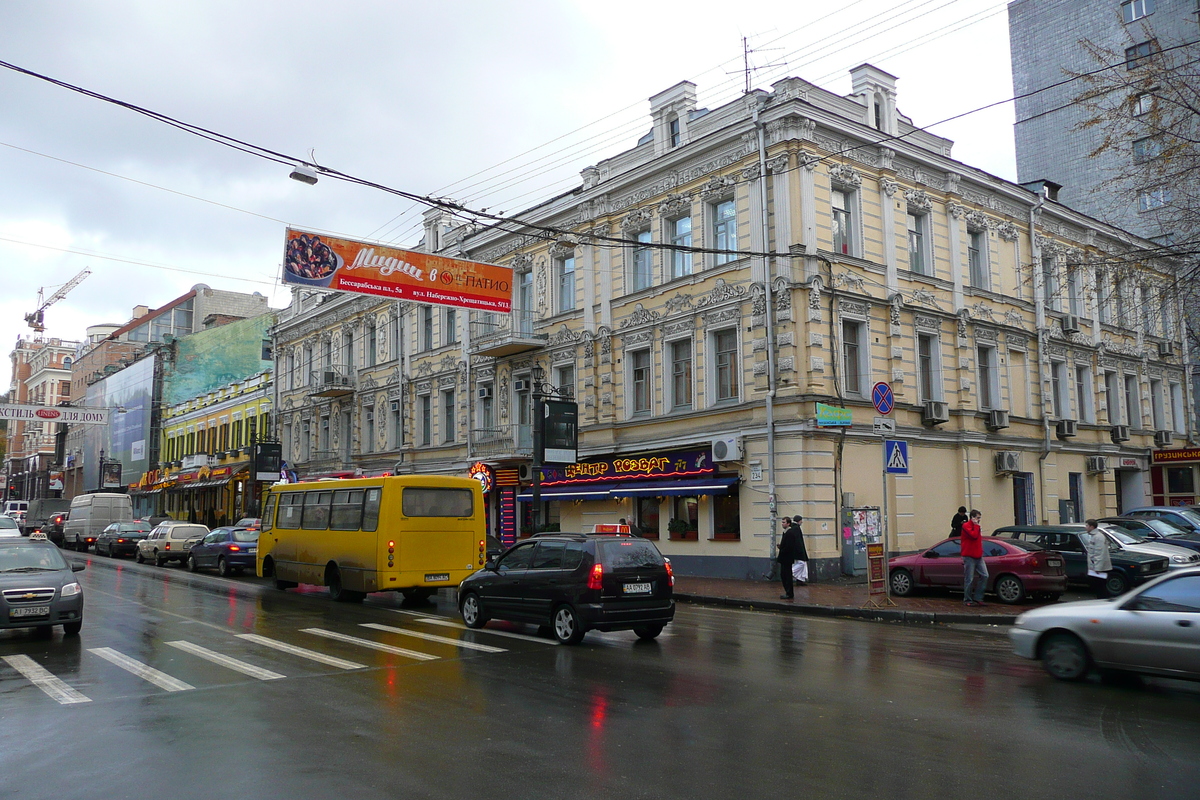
(74, 416)
(345, 265)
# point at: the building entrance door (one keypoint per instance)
(1024, 508)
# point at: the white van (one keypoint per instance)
(14, 506)
(92, 513)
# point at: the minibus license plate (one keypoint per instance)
(637, 588)
(437, 576)
(29, 611)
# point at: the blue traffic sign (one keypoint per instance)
(883, 398)
(895, 457)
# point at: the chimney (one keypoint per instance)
(876, 90)
(139, 312)
(670, 110)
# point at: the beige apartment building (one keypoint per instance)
(704, 292)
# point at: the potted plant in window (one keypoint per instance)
(677, 528)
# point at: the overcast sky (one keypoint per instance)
(495, 104)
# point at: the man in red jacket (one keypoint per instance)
(975, 572)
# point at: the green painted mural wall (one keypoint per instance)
(213, 358)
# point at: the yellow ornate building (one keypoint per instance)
(712, 286)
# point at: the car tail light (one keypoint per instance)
(670, 572)
(167, 546)
(233, 548)
(120, 541)
(596, 579)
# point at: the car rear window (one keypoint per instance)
(629, 553)
(134, 528)
(1024, 545)
(245, 536)
(186, 531)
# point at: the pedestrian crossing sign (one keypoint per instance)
(895, 456)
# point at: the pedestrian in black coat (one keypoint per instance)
(791, 549)
(957, 521)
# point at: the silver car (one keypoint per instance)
(1177, 557)
(1154, 629)
(38, 587)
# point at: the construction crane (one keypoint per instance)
(35, 319)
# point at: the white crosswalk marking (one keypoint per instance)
(386, 648)
(445, 623)
(313, 655)
(226, 661)
(483, 648)
(159, 679)
(40, 677)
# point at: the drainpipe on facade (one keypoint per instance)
(768, 276)
(1035, 258)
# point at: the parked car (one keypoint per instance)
(574, 583)
(169, 541)
(229, 550)
(54, 527)
(37, 586)
(9, 528)
(121, 538)
(1016, 569)
(249, 523)
(1129, 569)
(495, 548)
(92, 513)
(1153, 630)
(1155, 529)
(1179, 516)
(1177, 557)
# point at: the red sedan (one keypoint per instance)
(1015, 568)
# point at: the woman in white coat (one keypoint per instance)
(1098, 560)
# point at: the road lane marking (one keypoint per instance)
(313, 655)
(429, 637)
(387, 648)
(40, 677)
(226, 661)
(445, 623)
(160, 679)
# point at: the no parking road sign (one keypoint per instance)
(882, 397)
(895, 456)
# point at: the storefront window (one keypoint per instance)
(1179, 480)
(647, 516)
(685, 518)
(726, 517)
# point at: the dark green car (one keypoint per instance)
(1129, 568)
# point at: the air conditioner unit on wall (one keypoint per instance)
(1097, 464)
(935, 412)
(521, 385)
(727, 448)
(1066, 428)
(525, 473)
(1166, 349)
(1163, 438)
(1008, 461)
(1119, 433)
(997, 419)
(485, 392)
(329, 377)
(1070, 324)
(394, 405)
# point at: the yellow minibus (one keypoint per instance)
(408, 533)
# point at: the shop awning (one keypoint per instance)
(568, 493)
(208, 484)
(675, 488)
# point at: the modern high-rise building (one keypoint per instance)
(1046, 38)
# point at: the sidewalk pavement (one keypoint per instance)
(844, 598)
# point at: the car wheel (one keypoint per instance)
(902, 583)
(472, 611)
(339, 594)
(1065, 656)
(567, 629)
(648, 632)
(1116, 584)
(137, 556)
(1010, 589)
(192, 565)
(159, 560)
(73, 628)
(222, 567)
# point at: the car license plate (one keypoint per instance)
(437, 576)
(1053, 562)
(29, 611)
(636, 588)
(252, 550)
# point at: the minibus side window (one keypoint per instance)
(316, 511)
(290, 505)
(370, 517)
(269, 513)
(347, 510)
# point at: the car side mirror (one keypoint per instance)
(78, 567)
(931, 554)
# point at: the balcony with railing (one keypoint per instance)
(503, 441)
(331, 381)
(498, 335)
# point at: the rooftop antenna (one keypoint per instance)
(747, 68)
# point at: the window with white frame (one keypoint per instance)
(348, 350)
(565, 379)
(724, 230)
(674, 132)
(1103, 297)
(566, 283)
(450, 326)
(1059, 388)
(524, 298)
(1121, 304)
(1074, 293)
(371, 344)
(1083, 393)
(1142, 104)
(988, 377)
(1133, 10)
(844, 230)
(487, 407)
(725, 361)
(1166, 304)
(1178, 420)
(396, 422)
(1112, 397)
(368, 432)
(426, 327)
(1156, 405)
(1139, 54)
(1050, 294)
(681, 236)
(977, 258)
(305, 440)
(641, 274)
(449, 417)
(929, 367)
(1152, 199)
(394, 344)
(1146, 148)
(1133, 402)
(681, 373)
(323, 439)
(425, 414)
(640, 380)
(854, 355)
(920, 259)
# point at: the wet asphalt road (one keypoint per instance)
(726, 704)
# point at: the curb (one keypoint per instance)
(851, 612)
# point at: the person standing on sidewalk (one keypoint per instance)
(975, 572)
(957, 521)
(1098, 560)
(791, 546)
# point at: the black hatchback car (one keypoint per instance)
(1129, 568)
(574, 583)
